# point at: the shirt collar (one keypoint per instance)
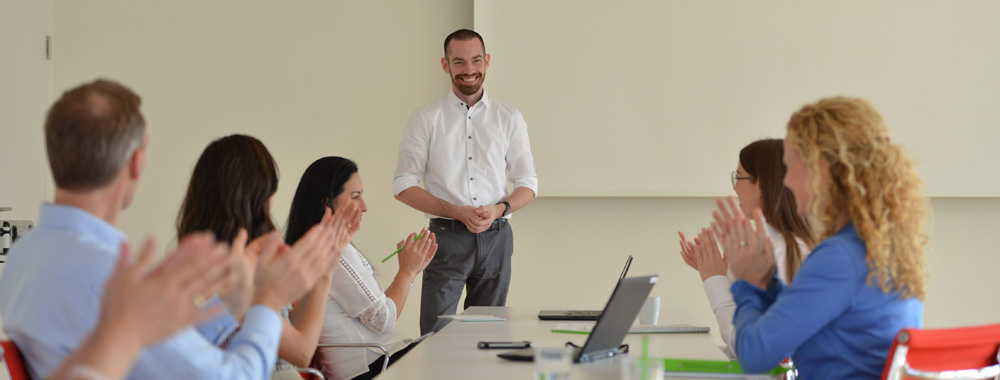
(453, 99)
(75, 219)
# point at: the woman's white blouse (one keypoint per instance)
(357, 311)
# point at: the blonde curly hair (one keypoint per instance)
(874, 181)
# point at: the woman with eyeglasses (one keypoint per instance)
(758, 184)
(866, 278)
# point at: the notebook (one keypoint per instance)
(468, 317)
(609, 332)
(580, 328)
(579, 315)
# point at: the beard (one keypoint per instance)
(468, 88)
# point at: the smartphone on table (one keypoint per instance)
(504, 345)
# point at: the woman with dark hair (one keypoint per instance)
(231, 190)
(358, 310)
(758, 184)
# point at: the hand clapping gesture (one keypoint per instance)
(284, 278)
(749, 250)
(417, 254)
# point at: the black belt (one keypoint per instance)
(459, 226)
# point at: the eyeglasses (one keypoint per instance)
(736, 177)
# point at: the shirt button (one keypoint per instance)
(473, 198)
(470, 158)
(470, 117)
(470, 137)
(470, 179)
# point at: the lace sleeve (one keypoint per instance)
(380, 317)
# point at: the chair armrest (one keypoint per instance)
(312, 371)
(978, 373)
(385, 363)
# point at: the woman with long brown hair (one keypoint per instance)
(865, 280)
(758, 184)
(231, 190)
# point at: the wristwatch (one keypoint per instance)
(506, 209)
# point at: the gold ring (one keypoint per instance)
(199, 301)
(743, 244)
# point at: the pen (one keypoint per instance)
(400, 249)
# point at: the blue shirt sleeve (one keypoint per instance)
(217, 329)
(188, 355)
(771, 324)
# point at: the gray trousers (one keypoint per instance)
(478, 262)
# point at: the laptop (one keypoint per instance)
(579, 315)
(608, 334)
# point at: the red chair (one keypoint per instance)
(960, 353)
(11, 359)
(314, 374)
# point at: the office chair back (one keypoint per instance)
(12, 361)
(958, 353)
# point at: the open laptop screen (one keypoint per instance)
(618, 315)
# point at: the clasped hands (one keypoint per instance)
(479, 219)
(747, 251)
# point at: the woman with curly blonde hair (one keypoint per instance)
(864, 281)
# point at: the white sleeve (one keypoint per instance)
(520, 162)
(411, 162)
(359, 294)
(380, 317)
(717, 290)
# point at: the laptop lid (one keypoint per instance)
(618, 315)
(585, 315)
(608, 334)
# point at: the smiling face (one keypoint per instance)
(353, 191)
(466, 62)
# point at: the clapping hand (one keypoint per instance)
(416, 255)
(749, 250)
(709, 260)
(149, 303)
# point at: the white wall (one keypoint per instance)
(24, 81)
(319, 78)
(668, 78)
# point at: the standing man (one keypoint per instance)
(465, 147)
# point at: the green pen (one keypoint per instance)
(400, 249)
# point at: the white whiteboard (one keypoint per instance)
(655, 98)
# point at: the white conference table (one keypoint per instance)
(452, 352)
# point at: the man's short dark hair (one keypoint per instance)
(463, 35)
(91, 132)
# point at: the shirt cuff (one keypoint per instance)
(742, 289)
(403, 182)
(260, 322)
(217, 329)
(531, 183)
(717, 290)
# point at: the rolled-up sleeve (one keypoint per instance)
(413, 152)
(520, 162)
